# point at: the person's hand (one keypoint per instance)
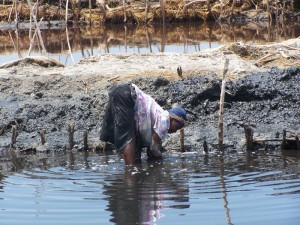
(151, 156)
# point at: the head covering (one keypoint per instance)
(178, 114)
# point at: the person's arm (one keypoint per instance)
(156, 145)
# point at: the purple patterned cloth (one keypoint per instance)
(149, 117)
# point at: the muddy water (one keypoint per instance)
(71, 45)
(84, 188)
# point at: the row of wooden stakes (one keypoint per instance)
(42, 133)
(287, 143)
(71, 130)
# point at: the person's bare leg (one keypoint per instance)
(129, 152)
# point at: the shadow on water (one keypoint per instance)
(84, 42)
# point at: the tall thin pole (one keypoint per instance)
(90, 11)
(221, 111)
(124, 6)
(69, 46)
(67, 8)
(163, 9)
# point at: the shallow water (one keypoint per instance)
(191, 188)
(76, 43)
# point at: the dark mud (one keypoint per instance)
(269, 101)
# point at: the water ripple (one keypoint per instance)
(183, 186)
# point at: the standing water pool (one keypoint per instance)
(186, 188)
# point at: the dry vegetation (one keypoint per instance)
(145, 11)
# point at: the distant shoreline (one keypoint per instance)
(139, 12)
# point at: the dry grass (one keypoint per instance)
(140, 12)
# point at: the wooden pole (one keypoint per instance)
(205, 146)
(179, 72)
(85, 140)
(69, 46)
(13, 135)
(292, 9)
(11, 11)
(16, 14)
(297, 142)
(60, 9)
(249, 137)
(67, 8)
(71, 130)
(146, 10)
(283, 143)
(182, 140)
(163, 9)
(221, 110)
(43, 136)
(90, 11)
(269, 11)
(124, 6)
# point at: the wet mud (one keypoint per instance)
(268, 101)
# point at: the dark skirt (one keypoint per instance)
(118, 125)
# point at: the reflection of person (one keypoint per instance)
(134, 120)
(138, 196)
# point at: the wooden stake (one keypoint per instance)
(283, 143)
(16, 13)
(69, 46)
(43, 136)
(182, 140)
(71, 130)
(297, 142)
(205, 146)
(13, 135)
(85, 140)
(90, 11)
(146, 10)
(124, 6)
(67, 8)
(179, 72)
(221, 110)
(163, 9)
(249, 137)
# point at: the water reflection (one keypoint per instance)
(140, 195)
(184, 187)
(1, 185)
(83, 42)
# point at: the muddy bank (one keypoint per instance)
(269, 101)
(263, 91)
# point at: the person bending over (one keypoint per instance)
(134, 120)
